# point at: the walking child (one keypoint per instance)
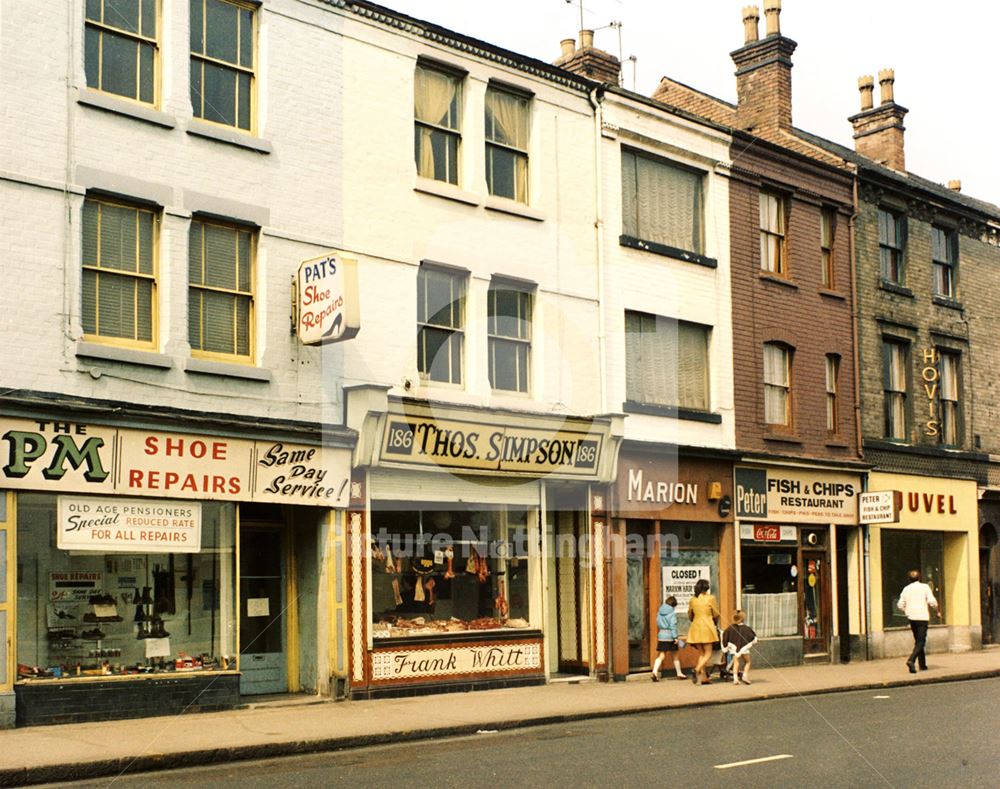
(666, 637)
(737, 640)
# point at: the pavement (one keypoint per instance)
(306, 724)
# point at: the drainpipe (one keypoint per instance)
(596, 97)
(855, 320)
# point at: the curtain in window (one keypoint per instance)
(775, 385)
(668, 204)
(667, 362)
(433, 95)
(772, 614)
(507, 124)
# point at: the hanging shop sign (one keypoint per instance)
(680, 581)
(67, 457)
(796, 495)
(327, 308)
(572, 448)
(880, 506)
(405, 664)
(120, 525)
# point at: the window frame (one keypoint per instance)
(494, 337)
(460, 290)
(768, 233)
(642, 231)
(828, 237)
(950, 415)
(833, 394)
(253, 233)
(644, 397)
(136, 276)
(103, 28)
(891, 396)
(455, 133)
(517, 152)
(237, 68)
(948, 266)
(785, 387)
(892, 252)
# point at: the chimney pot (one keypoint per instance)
(955, 185)
(751, 16)
(886, 77)
(772, 13)
(867, 87)
(586, 39)
(568, 46)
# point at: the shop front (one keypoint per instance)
(800, 560)
(160, 571)
(472, 546)
(935, 531)
(672, 525)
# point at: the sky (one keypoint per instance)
(944, 55)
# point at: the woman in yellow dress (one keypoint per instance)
(703, 612)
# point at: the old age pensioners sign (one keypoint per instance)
(114, 525)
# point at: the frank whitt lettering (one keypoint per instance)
(408, 664)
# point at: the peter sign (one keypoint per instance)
(326, 300)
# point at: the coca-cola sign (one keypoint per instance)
(767, 534)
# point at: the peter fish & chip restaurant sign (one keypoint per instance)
(796, 496)
(114, 524)
(69, 457)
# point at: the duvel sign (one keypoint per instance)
(327, 308)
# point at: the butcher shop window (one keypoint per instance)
(440, 571)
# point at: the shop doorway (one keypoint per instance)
(815, 603)
(989, 581)
(571, 592)
(263, 658)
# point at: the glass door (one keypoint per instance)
(815, 602)
(263, 662)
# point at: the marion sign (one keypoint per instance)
(326, 300)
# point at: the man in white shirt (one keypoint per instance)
(915, 601)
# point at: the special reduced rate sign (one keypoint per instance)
(115, 525)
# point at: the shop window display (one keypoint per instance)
(693, 547)
(440, 571)
(93, 614)
(770, 589)
(903, 551)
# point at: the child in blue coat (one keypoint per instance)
(666, 637)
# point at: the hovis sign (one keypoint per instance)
(326, 300)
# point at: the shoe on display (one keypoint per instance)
(147, 597)
(92, 635)
(135, 597)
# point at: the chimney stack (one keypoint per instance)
(878, 131)
(764, 72)
(589, 61)
(955, 185)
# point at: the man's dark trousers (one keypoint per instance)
(919, 629)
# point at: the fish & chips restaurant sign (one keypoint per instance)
(797, 495)
(70, 457)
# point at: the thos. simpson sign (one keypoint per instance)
(429, 441)
(326, 300)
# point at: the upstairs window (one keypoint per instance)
(895, 358)
(945, 261)
(666, 362)
(662, 202)
(948, 366)
(828, 224)
(777, 384)
(223, 62)
(121, 48)
(772, 233)
(440, 324)
(119, 272)
(891, 235)
(832, 392)
(509, 327)
(507, 144)
(221, 261)
(436, 112)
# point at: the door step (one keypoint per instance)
(570, 679)
(824, 656)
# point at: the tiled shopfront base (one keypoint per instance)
(52, 702)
